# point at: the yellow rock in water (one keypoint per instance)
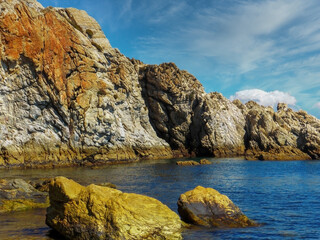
(96, 212)
(207, 207)
(187, 163)
(205, 162)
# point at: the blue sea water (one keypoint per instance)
(282, 196)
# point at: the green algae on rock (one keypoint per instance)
(14, 205)
(18, 195)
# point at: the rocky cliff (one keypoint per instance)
(186, 117)
(67, 97)
(281, 135)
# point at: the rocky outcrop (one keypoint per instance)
(96, 212)
(190, 120)
(207, 207)
(187, 163)
(67, 97)
(18, 195)
(281, 135)
(193, 163)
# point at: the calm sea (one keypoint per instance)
(283, 196)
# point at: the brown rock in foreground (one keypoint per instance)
(207, 207)
(96, 212)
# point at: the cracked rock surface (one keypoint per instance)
(67, 97)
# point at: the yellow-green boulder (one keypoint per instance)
(207, 207)
(96, 212)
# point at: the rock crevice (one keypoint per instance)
(67, 97)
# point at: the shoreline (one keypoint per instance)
(93, 165)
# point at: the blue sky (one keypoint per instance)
(267, 50)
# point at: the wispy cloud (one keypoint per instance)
(252, 44)
(245, 36)
(317, 105)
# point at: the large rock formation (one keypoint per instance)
(207, 207)
(67, 97)
(281, 135)
(96, 212)
(186, 117)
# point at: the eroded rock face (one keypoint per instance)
(221, 132)
(96, 212)
(190, 120)
(281, 135)
(66, 96)
(207, 207)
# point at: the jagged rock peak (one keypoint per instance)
(87, 25)
(67, 97)
(282, 107)
(7, 6)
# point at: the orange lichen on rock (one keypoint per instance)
(48, 45)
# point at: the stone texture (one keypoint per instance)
(187, 163)
(67, 97)
(205, 162)
(281, 135)
(41, 184)
(190, 120)
(193, 163)
(207, 207)
(18, 195)
(96, 212)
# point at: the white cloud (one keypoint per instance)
(318, 105)
(264, 98)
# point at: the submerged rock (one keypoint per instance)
(205, 162)
(193, 163)
(207, 207)
(187, 163)
(18, 195)
(96, 212)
